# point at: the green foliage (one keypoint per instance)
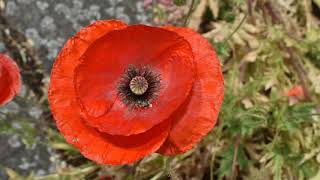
(291, 118)
(226, 162)
(221, 48)
(309, 169)
(226, 12)
(314, 53)
(241, 121)
(180, 2)
(72, 173)
(25, 128)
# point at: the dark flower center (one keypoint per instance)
(139, 86)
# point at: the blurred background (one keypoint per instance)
(269, 125)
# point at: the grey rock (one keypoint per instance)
(3, 175)
(14, 155)
(11, 107)
(35, 112)
(14, 141)
(2, 47)
(49, 23)
(20, 139)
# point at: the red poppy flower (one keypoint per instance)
(119, 93)
(295, 94)
(10, 82)
(296, 91)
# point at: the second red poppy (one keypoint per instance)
(10, 81)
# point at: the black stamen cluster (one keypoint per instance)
(144, 100)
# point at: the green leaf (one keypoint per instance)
(226, 162)
(222, 48)
(309, 169)
(242, 158)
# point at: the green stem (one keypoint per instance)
(236, 29)
(189, 13)
(153, 9)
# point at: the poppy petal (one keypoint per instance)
(104, 63)
(104, 148)
(198, 115)
(10, 81)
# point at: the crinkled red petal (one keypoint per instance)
(198, 115)
(104, 63)
(10, 81)
(97, 146)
